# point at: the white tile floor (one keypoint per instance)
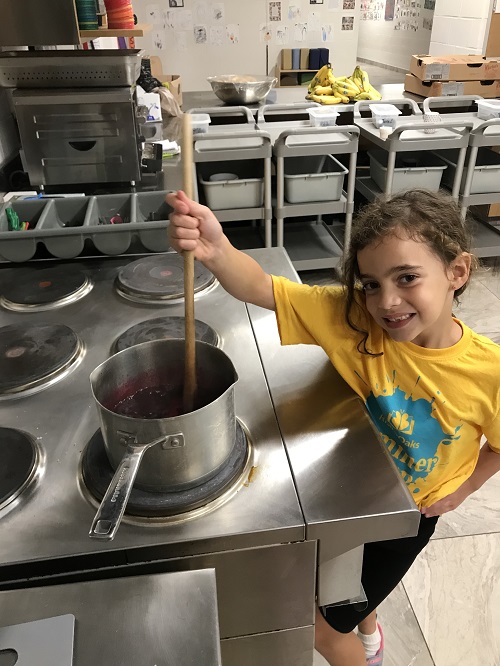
(446, 611)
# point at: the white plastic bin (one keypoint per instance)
(313, 178)
(486, 176)
(200, 122)
(323, 116)
(242, 188)
(488, 108)
(384, 115)
(422, 170)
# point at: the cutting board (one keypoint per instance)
(40, 643)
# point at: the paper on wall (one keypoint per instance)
(265, 32)
(233, 33)
(184, 19)
(327, 33)
(200, 34)
(313, 21)
(159, 39)
(300, 32)
(333, 5)
(170, 19)
(217, 12)
(281, 34)
(293, 12)
(154, 14)
(217, 35)
(180, 40)
(274, 10)
(200, 13)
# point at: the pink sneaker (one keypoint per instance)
(379, 657)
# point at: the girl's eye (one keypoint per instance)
(406, 279)
(370, 286)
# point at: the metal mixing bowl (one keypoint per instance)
(241, 89)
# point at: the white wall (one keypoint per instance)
(180, 54)
(380, 41)
(460, 26)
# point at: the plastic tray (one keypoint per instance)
(64, 225)
(313, 178)
(486, 176)
(413, 169)
(488, 108)
(245, 192)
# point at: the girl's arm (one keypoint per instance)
(194, 227)
(488, 464)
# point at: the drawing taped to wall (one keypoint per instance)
(315, 2)
(265, 32)
(407, 15)
(348, 23)
(176, 3)
(371, 10)
(349, 4)
(200, 34)
(281, 35)
(430, 4)
(274, 11)
(389, 10)
(293, 12)
(233, 33)
(427, 24)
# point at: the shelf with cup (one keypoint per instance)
(138, 30)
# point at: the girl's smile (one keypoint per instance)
(409, 291)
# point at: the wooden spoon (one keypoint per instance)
(190, 353)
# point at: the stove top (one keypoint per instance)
(51, 519)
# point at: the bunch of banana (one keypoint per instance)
(325, 88)
(321, 78)
(361, 80)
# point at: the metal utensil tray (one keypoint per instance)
(69, 69)
(64, 225)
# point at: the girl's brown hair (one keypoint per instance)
(428, 217)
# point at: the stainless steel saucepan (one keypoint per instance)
(148, 440)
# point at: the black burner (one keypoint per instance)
(97, 474)
(29, 355)
(160, 277)
(163, 328)
(18, 458)
(32, 288)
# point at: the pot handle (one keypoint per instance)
(110, 513)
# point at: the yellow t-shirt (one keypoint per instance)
(430, 406)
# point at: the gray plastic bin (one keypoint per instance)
(109, 237)
(419, 169)
(21, 245)
(63, 234)
(486, 178)
(313, 178)
(245, 192)
(152, 209)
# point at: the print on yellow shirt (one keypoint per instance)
(406, 423)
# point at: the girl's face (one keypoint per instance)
(409, 291)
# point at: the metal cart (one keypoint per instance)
(484, 133)
(237, 142)
(408, 136)
(311, 245)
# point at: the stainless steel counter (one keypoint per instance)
(160, 619)
(287, 95)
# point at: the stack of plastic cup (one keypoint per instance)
(86, 11)
(120, 14)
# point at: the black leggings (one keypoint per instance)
(384, 565)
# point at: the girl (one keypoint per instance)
(429, 383)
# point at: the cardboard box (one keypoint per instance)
(174, 80)
(454, 68)
(493, 44)
(487, 211)
(486, 89)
